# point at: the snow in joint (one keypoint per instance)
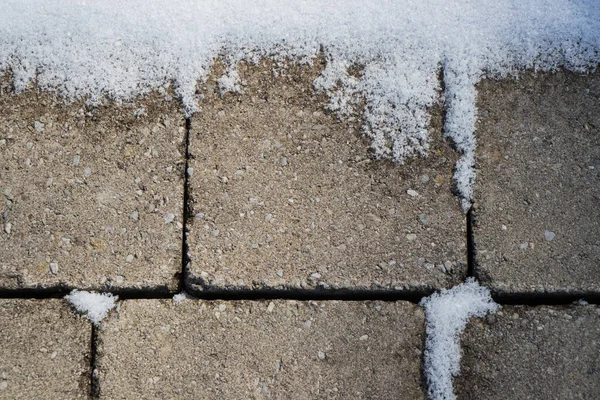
(446, 316)
(95, 305)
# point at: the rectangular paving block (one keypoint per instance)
(44, 351)
(287, 197)
(157, 349)
(532, 353)
(90, 197)
(537, 191)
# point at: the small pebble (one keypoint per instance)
(135, 215)
(504, 227)
(222, 307)
(76, 160)
(169, 218)
(119, 279)
(254, 245)
(87, 171)
(7, 227)
(214, 233)
(199, 216)
(315, 275)
(279, 273)
(54, 268)
(3, 385)
(424, 218)
(412, 193)
(524, 245)
(129, 258)
(190, 171)
(549, 235)
(364, 337)
(411, 236)
(283, 161)
(39, 127)
(321, 355)
(271, 307)
(424, 179)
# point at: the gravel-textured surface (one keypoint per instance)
(156, 349)
(90, 197)
(532, 353)
(286, 196)
(44, 351)
(537, 193)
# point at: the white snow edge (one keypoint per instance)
(446, 316)
(95, 305)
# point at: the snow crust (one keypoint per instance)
(95, 305)
(446, 316)
(121, 49)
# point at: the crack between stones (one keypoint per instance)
(94, 378)
(187, 209)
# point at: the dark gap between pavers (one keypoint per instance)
(246, 349)
(532, 353)
(287, 197)
(44, 350)
(537, 190)
(90, 197)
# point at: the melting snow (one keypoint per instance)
(122, 49)
(446, 315)
(95, 305)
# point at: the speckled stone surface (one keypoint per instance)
(90, 197)
(286, 196)
(537, 191)
(532, 353)
(44, 351)
(261, 349)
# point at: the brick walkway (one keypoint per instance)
(307, 257)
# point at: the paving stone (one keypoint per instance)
(537, 192)
(85, 192)
(262, 349)
(44, 351)
(532, 353)
(286, 196)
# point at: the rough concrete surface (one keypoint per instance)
(90, 197)
(532, 353)
(286, 196)
(537, 192)
(156, 349)
(44, 351)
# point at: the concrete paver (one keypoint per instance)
(537, 192)
(91, 197)
(261, 349)
(44, 351)
(287, 197)
(532, 353)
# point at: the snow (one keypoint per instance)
(122, 49)
(180, 297)
(447, 314)
(95, 305)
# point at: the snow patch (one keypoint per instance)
(180, 297)
(120, 50)
(446, 315)
(95, 305)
